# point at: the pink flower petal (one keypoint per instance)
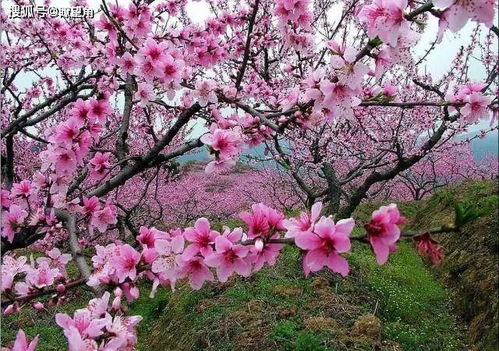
(338, 264)
(308, 241)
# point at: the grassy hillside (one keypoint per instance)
(471, 267)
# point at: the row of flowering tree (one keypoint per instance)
(96, 112)
(453, 164)
(436, 170)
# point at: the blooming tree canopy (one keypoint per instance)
(90, 146)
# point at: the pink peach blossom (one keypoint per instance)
(429, 247)
(383, 231)
(12, 221)
(201, 238)
(21, 343)
(304, 223)
(126, 263)
(324, 245)
(196, 270)
(205, 92)
(263, 221)
(228, 259)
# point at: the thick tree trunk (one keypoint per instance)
(8, 162)
(334, 189)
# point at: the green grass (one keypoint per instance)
(219, 316)
(290, 336)
(470, 267)
(480, 194)
(150, 309)
(412, 303)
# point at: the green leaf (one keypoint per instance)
(466, 212)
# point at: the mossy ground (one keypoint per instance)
(279, 309)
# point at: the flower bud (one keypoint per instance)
(259, 244)
(14, 308)
(116, 303)
(60, 288)
(38, 306)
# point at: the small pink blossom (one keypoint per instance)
(348, 71)
(429, 247)
(263, 221)
(338, 95)
(165, 264)
(12, 221)
(201, 238)
(228, 258)
(205, 92)
(12, 266)
(11, 309)
(21, 343)
(268, 254)
(67, 133)
(101, 219)
(91, 205)
(56, 259)
(131, 291)
(476, 107)
(23, 189)
(458, 12)
(383, 231)
(76, 342)
(80, 110)
(42, 276)
(83, 321)
(123, 334)
(126, 263)
(99, 165)
(325, 244)
(172, 69)
(63, 160)
(99, 305)
(196, 270)
(219, 165)
(147, 237)
(385, 19)
(104, 24)
(144, 93)
(153, 51)
(223, 143)
(99, 110)
(127, 63)
(5, 200)
(304, 223)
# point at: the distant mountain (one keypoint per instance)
(197, 156)
(203, 155)
(487, 145)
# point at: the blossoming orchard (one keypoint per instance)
(98, 113)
